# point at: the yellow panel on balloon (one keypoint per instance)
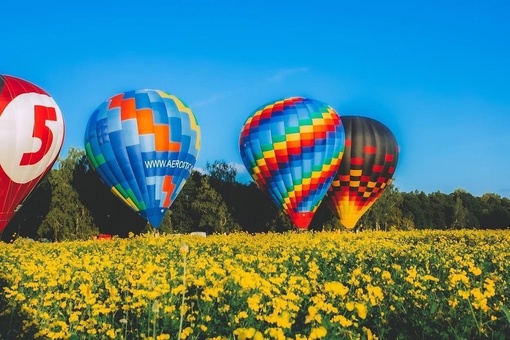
(355, 172)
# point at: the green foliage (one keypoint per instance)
(211, 210)
(495, 211)
(221, 171)
(473, 209)
(67, 218)
(183, 218)
(415, 208)
(73, 203)
(460, 214)
(386, 213)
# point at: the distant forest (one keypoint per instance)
(71, 203)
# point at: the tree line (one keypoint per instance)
(72, 203)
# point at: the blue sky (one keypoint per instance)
(437, 73)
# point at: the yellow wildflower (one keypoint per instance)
(283, 320)
(186, 332)
(336, 288)
(276, 333)
(318, 333)
(75, 316)
(362, 310)
(386, 275)
(453, 302)
(479, 299)
(370, 335)
(110, 333)
(458, 277)
(245, 333)
(184, 248)
(489, 287)
(463, 294)
(411, 274)
(475, 270)
(313, 315)
(163, 337)
(342, 320)
(375, 294)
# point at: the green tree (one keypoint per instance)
(67, 218)
(221, 171)
(211, 210)
(440, 210)
(280, 222)
(494, 214)
(183, 218)
(472, 207)
(250, 207)
(325, 219)
(110, 214)
(460, 214)
(414, 207)
(386, 212)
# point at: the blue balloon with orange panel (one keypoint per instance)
(144, 145)
(292, 148)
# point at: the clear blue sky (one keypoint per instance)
(437, 73)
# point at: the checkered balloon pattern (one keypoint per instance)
(144, 145)
(292, 148)
(367, 167)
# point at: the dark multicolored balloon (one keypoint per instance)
(144, 145)
(31, 136)
(292, 148)
(367, 167)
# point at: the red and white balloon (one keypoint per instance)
(31, 137)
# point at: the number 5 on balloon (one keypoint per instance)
(41, 131)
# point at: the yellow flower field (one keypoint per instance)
(312, 285)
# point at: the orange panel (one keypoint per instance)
(161, 137)
(168, 188)
(128, 109)
(174, 146)
(145, 121)
(116, 101)
(293, 144)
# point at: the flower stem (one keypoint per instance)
(184, 251)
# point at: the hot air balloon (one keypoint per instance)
(292, 148)
(367, 167)
(144, 145)
(31, 137)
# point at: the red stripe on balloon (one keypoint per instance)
(369, 149)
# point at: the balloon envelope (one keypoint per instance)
(367, 167)
(292, 149)
(31, 137)
(144, 145)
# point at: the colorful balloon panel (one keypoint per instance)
(144, 145)
(31, 137)
(292, 148)
(367, 167)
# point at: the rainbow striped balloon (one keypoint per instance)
(144, 145)
(292, 148)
